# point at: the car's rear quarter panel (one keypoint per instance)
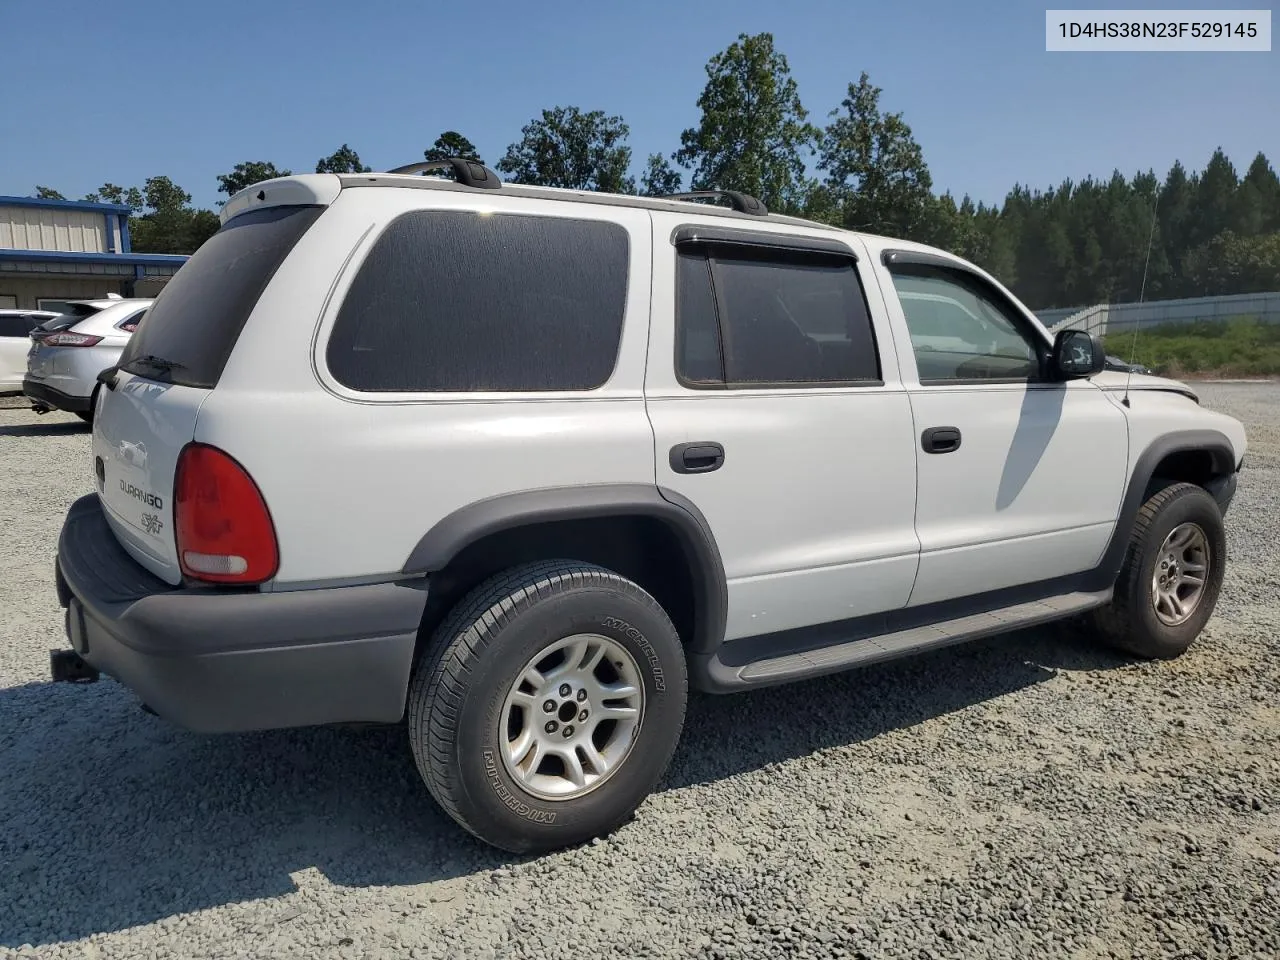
(354, 481)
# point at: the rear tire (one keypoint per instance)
(1171, 576)
(492, 753)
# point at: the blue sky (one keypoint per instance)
(120, 92)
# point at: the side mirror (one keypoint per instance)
(1077, 353)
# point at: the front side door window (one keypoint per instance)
(959, 331)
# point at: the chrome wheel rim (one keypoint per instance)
(1181, 571)
(571, 717)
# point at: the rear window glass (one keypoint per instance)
(65, 321)
(190, 330)
(453, 301)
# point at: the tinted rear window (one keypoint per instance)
(65, 321)
(453, 301)
(195, 321)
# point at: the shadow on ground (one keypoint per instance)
(54, 428)
(114, 818)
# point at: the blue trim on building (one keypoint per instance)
(125, 243)
(58, 256)
(109, 221)
(63, 204)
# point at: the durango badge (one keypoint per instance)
(142, 496)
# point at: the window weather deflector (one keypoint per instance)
(891, 258)
(699, 233)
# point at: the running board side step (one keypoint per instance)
(839, 657)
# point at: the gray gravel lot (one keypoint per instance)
(1029, 795)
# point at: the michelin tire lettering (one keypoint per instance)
(509, 799)
(631, 633)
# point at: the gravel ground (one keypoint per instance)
(1023, 796)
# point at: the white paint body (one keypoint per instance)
(74, 370)
(826, 508)
(14, 345)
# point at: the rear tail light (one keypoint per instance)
(222, 526)
(66, 339)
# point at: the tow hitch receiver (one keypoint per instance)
(67, 666)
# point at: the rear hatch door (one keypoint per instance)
(172, 362)
(42, 360)
(140, 429)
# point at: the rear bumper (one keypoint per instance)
(216, 661)
(50, 397)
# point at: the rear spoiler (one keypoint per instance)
(307, 189)
(321, 189)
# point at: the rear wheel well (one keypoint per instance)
(641, 548)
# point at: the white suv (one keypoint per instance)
(518, 466)
(69, 351)
(15, 340)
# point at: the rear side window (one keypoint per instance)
(190, 330)
(454, 301)
(15, 325)
(750, 318)
(130, 323)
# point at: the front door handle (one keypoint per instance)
(701, 456)
(941, 440)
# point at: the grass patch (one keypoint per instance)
(1241, 347)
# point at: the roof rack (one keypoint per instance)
(468, 172)
(742, 202)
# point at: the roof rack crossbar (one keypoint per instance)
(742, 202)
(468, 172)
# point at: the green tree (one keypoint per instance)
(47, 193)
(875, 169)
(568, 148)
(1257, 202)
(1174, 218)
(130, 197)
(452, 144)
(952, 227)
(1214, 200)
(169, 224)
(753, 133)
(342, 160)
(1230, 263)
(659, 179)
(999, 232)
(246, 175)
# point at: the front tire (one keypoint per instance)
(1171, 576)
(548, 705)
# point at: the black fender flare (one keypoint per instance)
(1213, 442)
(470, 524)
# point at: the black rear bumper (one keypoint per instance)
(218, 661)
(50, 397)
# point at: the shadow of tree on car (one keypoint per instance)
(54, 428)
(114, 818)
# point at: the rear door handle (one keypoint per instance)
(701, 456)
(940, 440)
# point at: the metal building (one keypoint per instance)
(52, 251)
